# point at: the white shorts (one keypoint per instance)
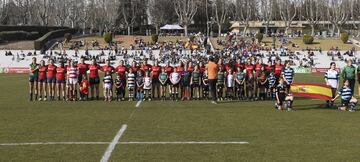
(107, 86)
(72, 81)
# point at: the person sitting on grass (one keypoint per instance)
(84, 88)
(347, 99)
(283, 97)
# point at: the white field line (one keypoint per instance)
(138, 104)
(112, 145)
(127, 143)
(184, 143)
(54, 143)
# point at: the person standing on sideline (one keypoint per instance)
(332, 80)
(33, 79)
(348, 73)
(212, 71)
(358, 76)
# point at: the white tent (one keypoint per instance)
(171, 27)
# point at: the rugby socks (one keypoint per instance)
(290, 103)
(352, 105)
(30, 96)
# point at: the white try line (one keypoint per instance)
(112, 145)
(138, 104)
(127, 143)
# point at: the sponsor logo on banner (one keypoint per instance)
(321, 70)
(300, 70)
(16, 70)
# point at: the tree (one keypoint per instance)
(266, 13)
(338, 14)
(221, 9)
(288, 10)
(157, 9)
(44, 10)
(61, 12)
(128, 10)
(355, 15)
(245, 10)
(312, 13)
(186, 10)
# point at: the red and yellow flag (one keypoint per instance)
(316, 91)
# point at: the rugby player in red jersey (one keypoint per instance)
(249, 68)
(94, 79)
(60, 80)
(145, 67)
(155, 72)
(278, 69)
(82, 68)
(42, 81)
(239, 64)
(180, 68)
(190, 67)
(169, 69)
(221, 63)
(108, 68)
(51, 79)
(259, 68)
(269, 67)
(134, 66)
(121, 72)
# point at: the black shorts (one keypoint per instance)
(155, 81)
(262, 85)
(42, 80)
(94, 81)
(282, 97)
(51, 80)
(175, 85)
(80, 79)
(345, 102)
(33, 79)
(195, 85)
(220, 86)
(288, 86)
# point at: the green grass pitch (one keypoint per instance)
(311, 133)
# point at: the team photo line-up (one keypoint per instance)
(251, 81)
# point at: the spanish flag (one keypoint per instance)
(315, 91)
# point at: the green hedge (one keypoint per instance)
(154, 38)
(344, 37)
(39, 43)
(108, 37)
(18, 35)
(40, 29)
(259, 37)
(308, 39)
